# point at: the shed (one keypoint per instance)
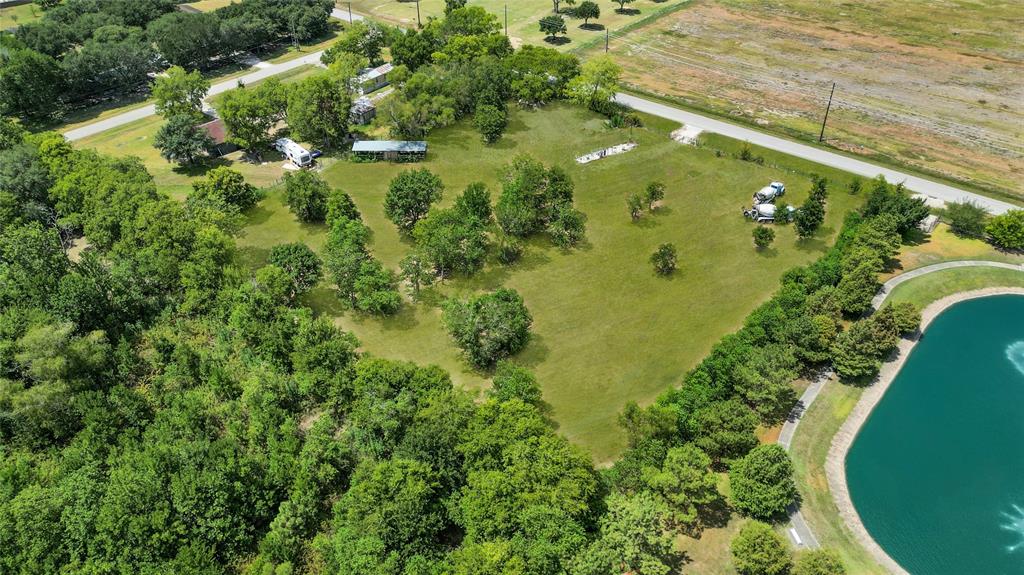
(362, 112)
(927, 225)
(390, 150)
(218, 132)
(372, 79)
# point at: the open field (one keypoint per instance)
(936, 86)
(523, 17)
(937, 285)
(606, 329)
(14, 16)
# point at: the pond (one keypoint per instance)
(937, 471)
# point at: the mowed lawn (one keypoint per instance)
(606, 329)
(523, 16)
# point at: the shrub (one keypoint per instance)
(654, 193)
(664, 259)
(491, 122)
(759, 550)
(763, 236)
(966, 219)
(818, 562)
(1007, 230)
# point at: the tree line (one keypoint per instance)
(85, 49)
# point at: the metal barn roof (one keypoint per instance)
(389, 146)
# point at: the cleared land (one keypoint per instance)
(933, 85)
(15, 16)
(606, 329)
(523, 17)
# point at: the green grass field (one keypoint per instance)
(606, 329)
(17, 15)
(928, 288)
(523, 16)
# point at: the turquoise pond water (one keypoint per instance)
(937, 471)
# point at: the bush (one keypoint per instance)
(762, 482)
(1007, 230)
(818, 562)
(763, 237)
(759, 550)
(490, 327)
(664, 259)
(966, 219)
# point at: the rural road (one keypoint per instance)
(917, 184)
(263, 70)
(799, 532)
(814, 154)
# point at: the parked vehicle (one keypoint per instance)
(295, 153)
(768, 193)
(768, 213)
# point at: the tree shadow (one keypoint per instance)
(768, 253)
(592, 26)
(646, 223)
(257, 215)
(535, 352)
(627, 11)
(557, 40)
(714, 515)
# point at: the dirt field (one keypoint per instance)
(937, 85)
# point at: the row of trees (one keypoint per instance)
(83, 49)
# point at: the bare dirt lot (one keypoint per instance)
(936, 85)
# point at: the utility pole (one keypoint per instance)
(506, 20)
(821, 136)
(606, 40)
(350, 12)
(419, 24)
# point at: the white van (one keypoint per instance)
(297, 154)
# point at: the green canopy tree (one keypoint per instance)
(178, 92)
(181, 140)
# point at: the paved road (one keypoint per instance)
(799, 532)
(264, 70)
(815, 154)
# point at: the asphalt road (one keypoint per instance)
(264, 70)
(820, 155)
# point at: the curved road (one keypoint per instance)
(815, 154)
(800, 532)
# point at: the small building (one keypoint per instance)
(218, 132)
(390, 150)
(372, 79)
(927, 225)
(362, 112)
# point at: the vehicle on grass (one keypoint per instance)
(294, 152)
(768, 213)
(768, 193)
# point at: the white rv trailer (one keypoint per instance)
(295, 153)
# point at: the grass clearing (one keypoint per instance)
(928, 288)
(934, 90)
(523, 17)
(606, 329)
(14, 16)
(942, 245)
